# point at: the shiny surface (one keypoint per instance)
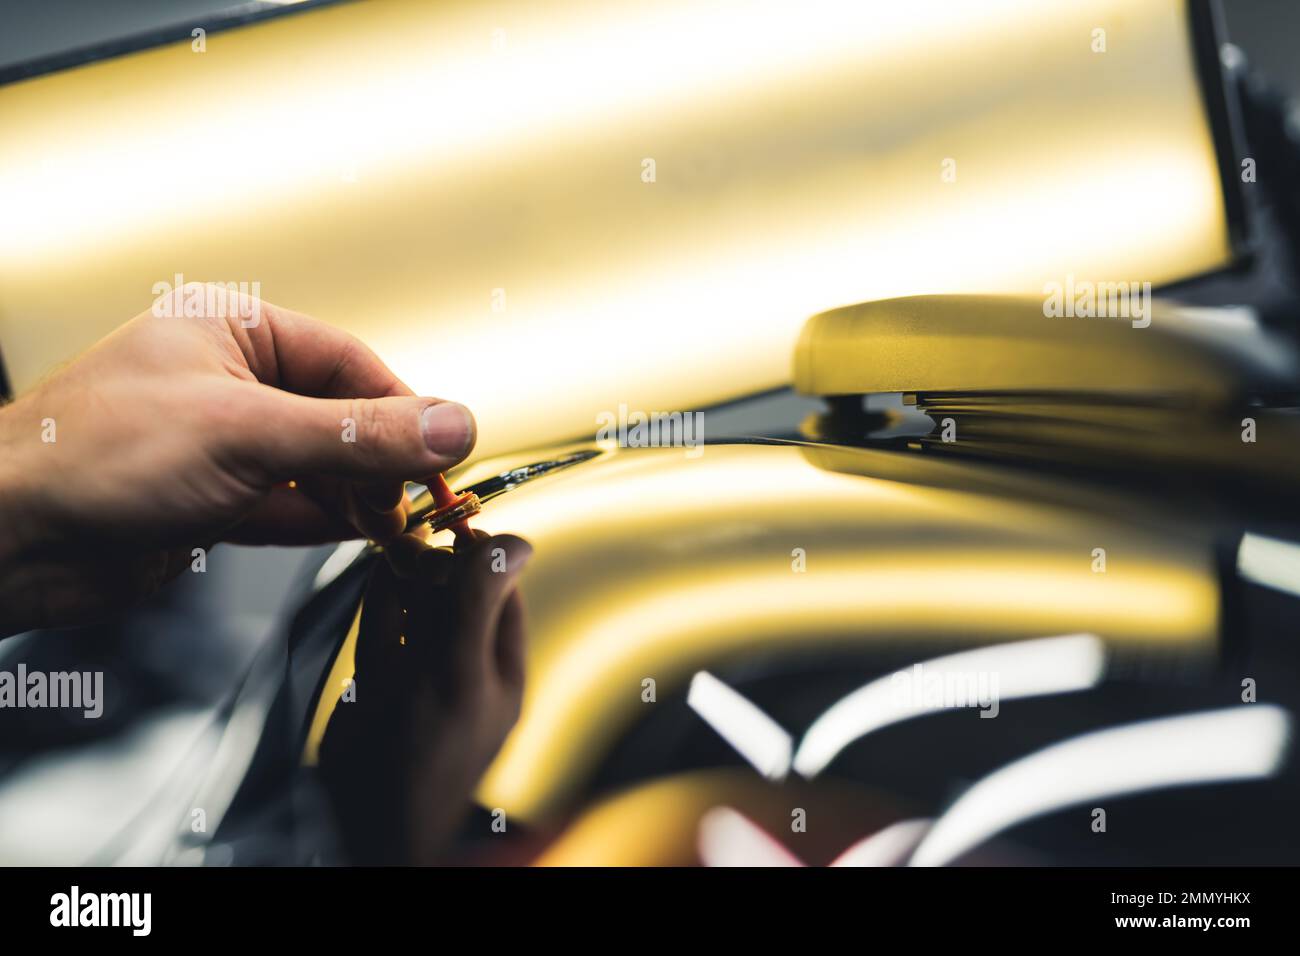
(650, 564)
(439, 176)
(613, 831)
(465, 506)
(1236, 744)
(1006, 345)
(1051, 665)
(424, 507)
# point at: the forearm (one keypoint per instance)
(19, 521)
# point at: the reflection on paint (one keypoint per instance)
(1241, 743)
(548, 210)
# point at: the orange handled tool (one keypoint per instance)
(452, 510)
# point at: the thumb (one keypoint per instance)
(397, 437)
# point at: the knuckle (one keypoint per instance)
(346, 357)
(368, 420)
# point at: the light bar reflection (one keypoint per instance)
(1270, 562)
(451, 180)
(1053, 665)
(1241, 743)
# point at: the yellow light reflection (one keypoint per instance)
(466, 179)
(667, 628)
(341, 671)
(612, 832)
(648, 563)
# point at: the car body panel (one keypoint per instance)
(653, 563)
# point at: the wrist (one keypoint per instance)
(16, 520)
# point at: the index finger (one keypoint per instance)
(298, 353)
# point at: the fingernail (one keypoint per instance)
(449, 429)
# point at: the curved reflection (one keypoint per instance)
(1242, 743)
(652, 565)
(1053, 665)
(755, 736)
(729, 838)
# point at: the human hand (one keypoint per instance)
(174, 433)
(438, 685)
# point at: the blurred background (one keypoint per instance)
(66, 788)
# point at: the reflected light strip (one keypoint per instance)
(746, 480)
(1269, 562)
(340, 560)
(754, 735)
(573, 701)
(1052, 665)
(1240, 743)
(340, 672)
(729, 838)
(410, 168)
(888, 847)
(449, 96)
(760, 286)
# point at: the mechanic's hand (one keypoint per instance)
(175, 433)
(438, 685)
